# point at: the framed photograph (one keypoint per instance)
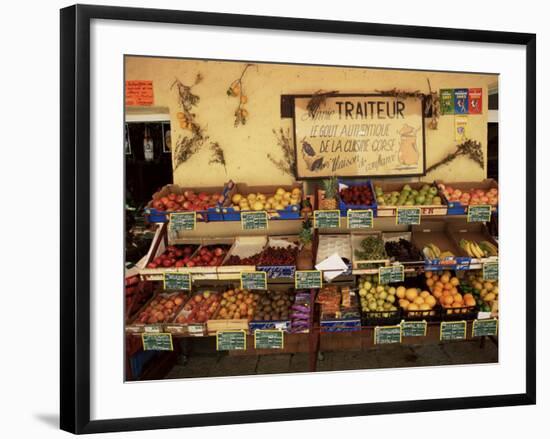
(323, 221)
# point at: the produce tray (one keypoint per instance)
(433, 315)
(244, 247)
(381, 318)
(366, 265)
(209, 272)
(388, 210)
(345, 207)
(289, 212)
(436, 232)
(194, 329)
(135, 327)
(279, 271)
(476, 232)
(337, 243)
(158, 247)
(462, 313)
(456, 207)
(154, 215)
(340, 325)
(396, 236)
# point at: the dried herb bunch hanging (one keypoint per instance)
(401, 94)
(470, 149)
(236, 89)
(287, 164)
(218, 157)
(318, 99)
(186, 146)
(432, 106)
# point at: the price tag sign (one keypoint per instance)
(177, 281)
(391, 274)
(387, 334)
(157, 342)
(490, 270)
(360, 219)
(408, 215)
(414, 329)
(183, 221)
(479, 214)
(484, 327)
(308, 279)
(254, 280)
(269, 339)
(254, 220)
(326, 219)
(452, 330)
(231, 340)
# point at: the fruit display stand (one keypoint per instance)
(397, 244)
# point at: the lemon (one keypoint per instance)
(236, 198)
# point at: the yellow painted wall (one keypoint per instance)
(246, 147)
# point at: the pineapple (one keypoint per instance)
(329, 201)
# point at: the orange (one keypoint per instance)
(439, 284)
(469, 301)
(447, 300)
(424, 294)
(435, 277)
(437, 294)
(429, 283)
(468, 296)
(454, 281)
(456, 305)
(418, 300)
(429, 274)
(445, 278)
(454, 290)
(447, 286)
(430, 301)
(412, 307)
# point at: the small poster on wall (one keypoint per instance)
(447, 101)
(359, 135)
(461, 128)
(474, 100)
(461, 100)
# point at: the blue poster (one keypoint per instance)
(461, 100)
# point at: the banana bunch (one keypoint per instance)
(432, 251)
(472, 248)
(488, 248)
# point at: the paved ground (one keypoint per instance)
(203, 364)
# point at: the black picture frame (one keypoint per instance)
(347, 95)
(75, 217)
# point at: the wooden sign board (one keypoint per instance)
(391, 274)
(177, 281)
(484, 327)
(254, 280)
(231, 340)
(480, 213)
(254, 220)
(182, 221)
(326, 219)
(359, 135)
(414, 329)
(157, 342)
(269, 339)
(408, 215)
(139, 93)
(307, 279)
(387, 334)
(490, 270)
(452, 330)
(360, 219)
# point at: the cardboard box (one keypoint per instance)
(292, 211)
(361, 266)
(457, 208)
(475, 232)
(436, 232)
(244, 247)
(390, 186)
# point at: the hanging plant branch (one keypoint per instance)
(236, 89)
(470, 149)
(401, 94)
(187, 146)
(218, 156)
(287, 164)
(318, 99)
(432, 106)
